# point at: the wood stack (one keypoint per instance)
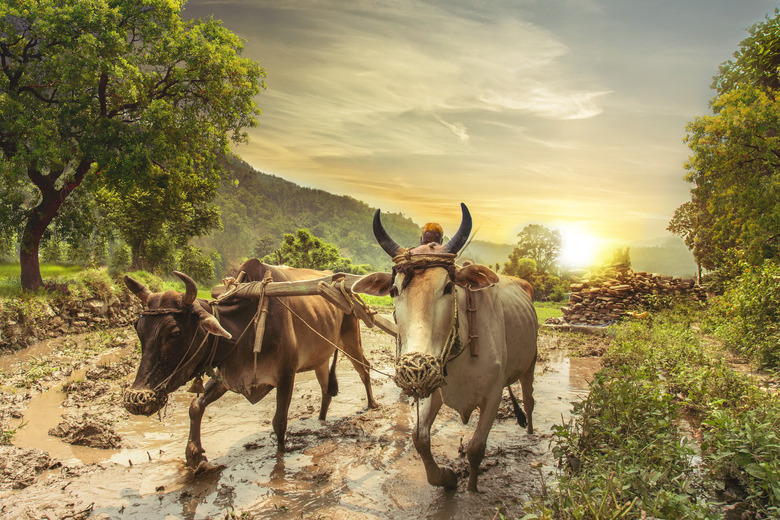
(609, 296)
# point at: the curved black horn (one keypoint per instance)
(461, 235)
(138, 289)
(192, 289)
(389, 245)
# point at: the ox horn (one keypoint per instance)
(137, 288)
(461, 235)
(389, 245)
(192, 289)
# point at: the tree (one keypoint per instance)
(303, 249)
(519, 267)
(757, 60)
(540, 244)
(113, 95)
(735, 162)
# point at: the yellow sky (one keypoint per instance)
(566, 113)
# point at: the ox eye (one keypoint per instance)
(448, 288)
(393, 291)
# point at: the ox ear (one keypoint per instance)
(210, 323)
(375, 284)
(138, 289)
(475, 276)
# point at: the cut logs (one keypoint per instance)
(604, 299)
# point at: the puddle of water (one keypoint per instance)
(44, 411)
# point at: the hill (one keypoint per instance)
(668, 256)
(258, 209)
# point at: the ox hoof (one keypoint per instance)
(206, 467)
(448, 479)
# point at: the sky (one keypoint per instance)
(565, 113)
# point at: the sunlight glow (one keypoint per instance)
(579, 249)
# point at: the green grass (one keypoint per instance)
(546, 310)
(13, 270)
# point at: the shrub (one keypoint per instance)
(194, 263)
(747, 317)
(121, 259)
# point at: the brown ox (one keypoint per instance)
(183, 337)
(427, 287)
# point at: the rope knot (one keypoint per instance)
(419, 374)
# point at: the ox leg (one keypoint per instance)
(213, 391)
(284, 392)
(475, 451)
(527, 385)
(353, 346)
(421, 436)
(323, 377)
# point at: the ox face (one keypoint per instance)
(424, 310)
(424, 285)
(172, 344)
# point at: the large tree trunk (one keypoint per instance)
(37, 222)
(41, 216)
(28, 260)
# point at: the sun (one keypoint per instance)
(579, 248)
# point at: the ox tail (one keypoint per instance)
(521, 420)
(333, 383)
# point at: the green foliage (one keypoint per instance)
(744, 449)
(748, 315)
(121, 259)
(259, 209)
(195, 264)
(626, 452)
(305, 250)
(519, 267)
(734, 169)
(540, 244)
(124, 97)
(756, 61)
(735, 172)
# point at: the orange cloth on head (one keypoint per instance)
(431, 232)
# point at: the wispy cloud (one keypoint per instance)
(529, 111)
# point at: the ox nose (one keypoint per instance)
(419, 374)
(144, 402)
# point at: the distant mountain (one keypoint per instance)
(666, 256)
(487, 253)
(258, 209)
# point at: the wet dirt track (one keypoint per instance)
(358, 463)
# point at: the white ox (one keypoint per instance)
(425, 285)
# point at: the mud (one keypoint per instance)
(359, 463)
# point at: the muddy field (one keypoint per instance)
(77, 454)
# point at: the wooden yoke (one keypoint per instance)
(336, 288)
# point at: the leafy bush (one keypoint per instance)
(627, 452)
(121, 259)
(195, 264)
(748, 315)
(744, 449)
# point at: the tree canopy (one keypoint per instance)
(305, 250)
(122, 96)
(539, 244)
(735, 161)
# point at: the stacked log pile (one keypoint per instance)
(603, 299)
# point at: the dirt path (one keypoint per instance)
(358, 464)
